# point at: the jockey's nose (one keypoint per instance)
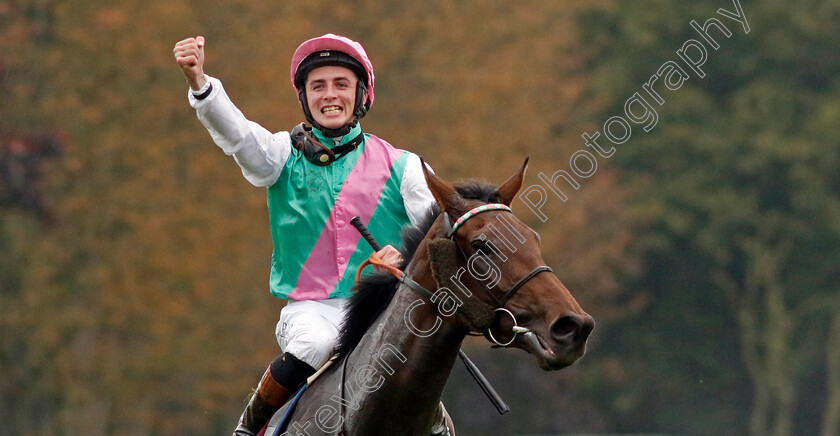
(572, 328)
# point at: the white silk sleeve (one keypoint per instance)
(415, 193)
(260, 154)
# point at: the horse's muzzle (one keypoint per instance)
(566, 342)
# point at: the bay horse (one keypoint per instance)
(399, 340)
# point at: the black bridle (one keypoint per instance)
(508, 294)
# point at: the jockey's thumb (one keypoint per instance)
(200, 41)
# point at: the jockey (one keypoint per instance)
(316, 178)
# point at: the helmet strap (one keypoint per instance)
(316, 152)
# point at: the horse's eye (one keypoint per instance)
(480, 245)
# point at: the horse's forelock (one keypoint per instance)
(476, 189)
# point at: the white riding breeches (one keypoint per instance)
(309, 329)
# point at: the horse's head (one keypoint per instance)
(500, 263)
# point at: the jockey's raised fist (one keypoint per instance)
(189, 53)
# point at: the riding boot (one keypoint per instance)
(269, 397)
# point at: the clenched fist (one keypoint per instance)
(390, 256)
(189, 54)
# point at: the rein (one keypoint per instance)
(450, 233)
(394, 271)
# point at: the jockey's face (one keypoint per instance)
(331, 95)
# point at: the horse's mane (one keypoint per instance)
(374, 292)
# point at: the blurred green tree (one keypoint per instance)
(743, 169)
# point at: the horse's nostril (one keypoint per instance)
(572, 327)
(565, 327)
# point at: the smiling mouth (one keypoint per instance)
(331, 110)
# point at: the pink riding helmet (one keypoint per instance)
(337, 43)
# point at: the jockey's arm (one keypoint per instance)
(415, 193)
(259, 153)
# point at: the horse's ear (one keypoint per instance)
(509, 189)
(445, 194)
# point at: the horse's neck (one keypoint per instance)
(407, 365)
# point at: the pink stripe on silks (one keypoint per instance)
(359, 196)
